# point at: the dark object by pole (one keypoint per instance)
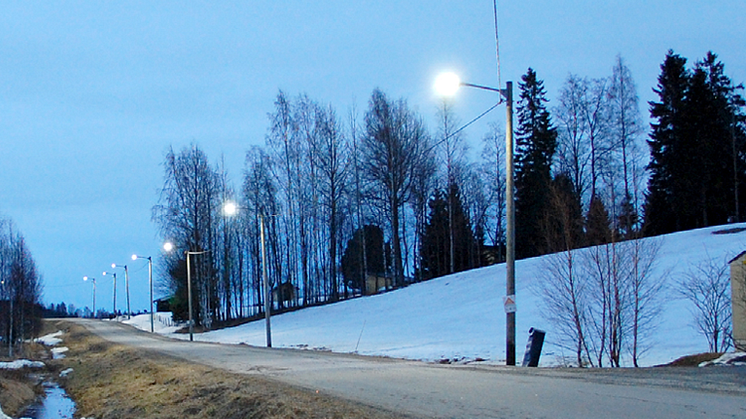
(533, 347)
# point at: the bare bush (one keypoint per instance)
(707, 287)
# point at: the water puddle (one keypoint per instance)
(55, 405)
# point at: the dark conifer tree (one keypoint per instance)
(696, 147)
(464, 242)
(376, 261)
(665, 143)
(536, 142)
(435, 255)
(597, 223)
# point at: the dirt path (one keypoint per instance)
(426, 390)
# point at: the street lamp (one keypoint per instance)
(169, 247)
(93, 281)
(113, 274)
(447, 84)
(126, 287)
(230, 209)
(150, 282)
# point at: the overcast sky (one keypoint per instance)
(93, 93)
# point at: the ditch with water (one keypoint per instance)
(54, 405)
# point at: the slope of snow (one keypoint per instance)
(162, 323)
(461, 316)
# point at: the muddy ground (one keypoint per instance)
(112, 381)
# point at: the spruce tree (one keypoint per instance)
(660, 206)
(376, 262)
(436, 241)
(597, 223)
(464, 242)
(435, 251)
(697, 148)
(536, 142)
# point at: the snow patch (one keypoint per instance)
(729, 358)
(21, 363)
(3, 415)
(163, 323)
(59, 353)
(51, 339)
(65, 373)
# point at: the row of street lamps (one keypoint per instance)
(127, 287)
(229, 209)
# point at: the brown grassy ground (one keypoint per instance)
(695, 360)
(112, 381)
(19, 388)
(16, 391)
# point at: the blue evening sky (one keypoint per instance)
(93, 93)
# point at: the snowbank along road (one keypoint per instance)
(447, 391)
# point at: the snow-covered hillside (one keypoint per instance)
(461, 316)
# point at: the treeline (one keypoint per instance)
(340, 200)
(377, 200)
(20, 288)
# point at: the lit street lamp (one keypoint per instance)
(230, 209)
(126, 287)
(113, 274)
(447, 84)
(150, 282)
(169, 247)
(93, 281)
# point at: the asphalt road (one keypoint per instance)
(448, 391)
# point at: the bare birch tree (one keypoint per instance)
(187, 214)
(393, 147)
(707, 287)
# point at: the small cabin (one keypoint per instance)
(375, 283)
(738, 299)
(163, 304)
(284, 293)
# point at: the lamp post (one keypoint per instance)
(93, 281)
(230, 209)
(447, 84)
(126, 287)
(114, 304)
(169, 247)
(150, 283)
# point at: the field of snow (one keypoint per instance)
(461, 316)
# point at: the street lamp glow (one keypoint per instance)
(230, 209)
(134, 257)
(447, 84)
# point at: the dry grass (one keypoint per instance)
(16, 391)
(694, 360)
(19, 388)
(111, 381)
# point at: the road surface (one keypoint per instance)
(447, 391)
